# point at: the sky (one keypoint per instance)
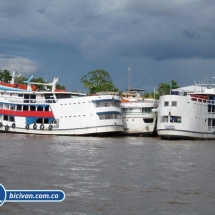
(160, 40)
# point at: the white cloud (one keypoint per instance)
(19, 64)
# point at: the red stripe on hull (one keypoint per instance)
(41, 114)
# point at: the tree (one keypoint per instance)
(164, 88)
(5, 76)
(19, 80)
(41, 87)
(60, 87)
(98, 80)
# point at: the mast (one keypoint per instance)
(13, 77)
(129, 78)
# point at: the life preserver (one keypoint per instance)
(27, 127)
(6, 127)
(50, 127)
(13, 125)
(1, 124)
(35, 126)
(147, 127)
(41, 127)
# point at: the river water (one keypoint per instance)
(111, 175)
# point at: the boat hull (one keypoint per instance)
(186, 117)
(99, 130)
(138, 118)
(56, 113)
(178, 134)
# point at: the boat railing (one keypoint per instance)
(138, 113)
(211, 101)
(32, 101)
(202, 99)
(211, 128)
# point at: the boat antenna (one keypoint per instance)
(14, 76)
(129, 78)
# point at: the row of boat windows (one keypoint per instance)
(148, 120)
(109, 116)
(24, 107)
(133, 110)
(177, 119)
(166, 103)
(7, 118)
(173, 119)
(46, 96)
(211, 122)
(39, 120)
(107, 104)
(211, 109)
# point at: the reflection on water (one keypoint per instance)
(126, 175)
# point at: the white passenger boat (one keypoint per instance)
(138, 114)
(23, 109)
(188, 113)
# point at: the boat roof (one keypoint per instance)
(196, 89)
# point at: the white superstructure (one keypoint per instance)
(57, 112)
(189, 113)
(138, 115)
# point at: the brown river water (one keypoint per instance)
(109, 175)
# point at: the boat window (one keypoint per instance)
(20, 95)
(25, 107)
(1, 105)
(33, 96)
(164, 119)
(116, 104)
(175, 119)
(211, 108)
(166, 104)
(6, 106)
(26, 97)
(49, 98)
(32, 108)
(5, 118)
(39, 108)
(174, 103)
(107, 104)
(39, 120)
(48, 95)
(149, 120)
(19, 107)
(147, 109)
(63, 96)
(109, 116)
(46, 121)
(54, 121)
(47, 108)
(211, 122)
(11, 118)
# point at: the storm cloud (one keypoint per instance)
(161, 31)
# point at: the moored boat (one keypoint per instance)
(24, 109)
(138, 114)
(188, 113)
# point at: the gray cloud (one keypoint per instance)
(168, 39)
(156, 29)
